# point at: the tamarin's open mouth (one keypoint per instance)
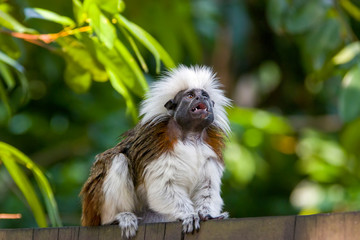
(200, 107)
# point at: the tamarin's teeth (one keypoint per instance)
(199, 107)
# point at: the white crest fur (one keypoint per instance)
(185, 78)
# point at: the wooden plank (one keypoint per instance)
(17, 234)
(46, 233)
(314, 227)
(68, 233)
(270, 228)
(154, 231)
(172, 231)
(88, 233)
(109, 232)
(328, 226)
(140, 234)
(304, 227)
(352, 225)
(114, 232)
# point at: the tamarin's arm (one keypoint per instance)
(168, 195)
(206, 197)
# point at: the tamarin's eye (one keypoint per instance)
(205, 94)
(190, 95)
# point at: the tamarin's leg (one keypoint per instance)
(206, 197)
(119, 197)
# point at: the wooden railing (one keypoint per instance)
(336, 226)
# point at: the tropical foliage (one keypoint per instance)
(93, 49)
(291, 67)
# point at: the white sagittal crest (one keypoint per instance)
(185, 78)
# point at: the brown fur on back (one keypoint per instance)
(91, 193)
(141, 145)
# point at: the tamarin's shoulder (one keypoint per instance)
(125, 142)
(155, 135)
(149, 133)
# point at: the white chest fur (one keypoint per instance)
(190, 159)
(184, 166)
(173, 183)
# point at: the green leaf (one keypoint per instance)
(6, 59)
(136, 50)
(20, 73)
(43, 183)
(24, 84)
(49, 198)
(117, 84)
(351, 8)
(259, 119)
(9, 46)
(78, 10)
(77, 78)
(148, 41)
(111, 6)
(347, 53)
(24, 185)
(138, 85)
(7, 76)
(4, 98)
(103, 28)
(39, 13)
(13, 155)
(120, 74)
(80, 55)
(12, 24)
(302, 18)
(349, 108)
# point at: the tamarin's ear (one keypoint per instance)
(170, 105)
(213, 103)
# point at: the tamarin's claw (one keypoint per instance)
(191, 223)
(128, 223)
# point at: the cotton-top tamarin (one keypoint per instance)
(169, 166)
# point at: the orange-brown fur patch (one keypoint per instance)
(215, 139)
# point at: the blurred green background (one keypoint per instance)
(291, 68)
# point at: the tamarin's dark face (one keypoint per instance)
(192, 109)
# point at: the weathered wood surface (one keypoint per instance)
(334, 226)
